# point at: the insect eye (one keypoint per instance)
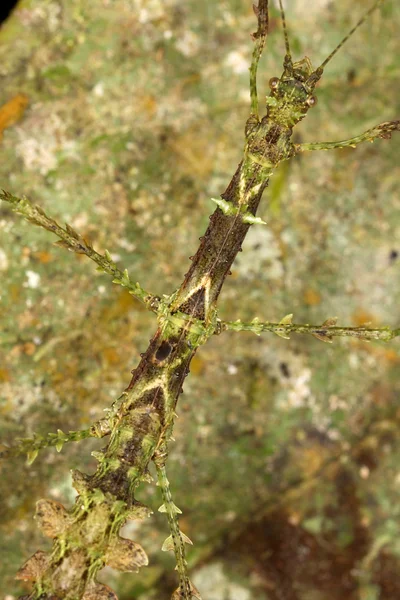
(273, 83)
(312, 101)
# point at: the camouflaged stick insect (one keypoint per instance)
(140, 422)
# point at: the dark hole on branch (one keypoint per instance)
(163, 351)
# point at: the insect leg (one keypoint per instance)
(177, 539)
(384, 130)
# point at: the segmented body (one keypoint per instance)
(88, 538)
(145, 416)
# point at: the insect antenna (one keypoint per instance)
(288, 57)
(356, 26)
(285, 33)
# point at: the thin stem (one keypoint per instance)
(73, 241)
(259, 37)
(324, 332)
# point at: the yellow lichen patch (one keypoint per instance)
(14, 292)
(29, 348)
(15, 351)
(111, 355)
(184, 523)
(27, 319)
(312, 297)
(362, 317)
(310, 460)
(386, 354)
(146, 104)
(25, 251)
(123, 304)
(11, 112)
(197, 365)
(389, 355)
(382, 395)
(43, 257)
(4, 375)
(193, 152)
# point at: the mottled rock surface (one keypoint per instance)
(287, 452)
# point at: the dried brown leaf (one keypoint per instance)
(99, 591)
(34, 567)
(126, 555)
(51, 517)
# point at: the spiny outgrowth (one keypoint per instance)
(133, 288)
(323, 334)
(282, 332)
(231, 210)
(171, 541)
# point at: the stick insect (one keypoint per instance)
(140, 423)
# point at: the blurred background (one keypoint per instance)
(123, 118)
